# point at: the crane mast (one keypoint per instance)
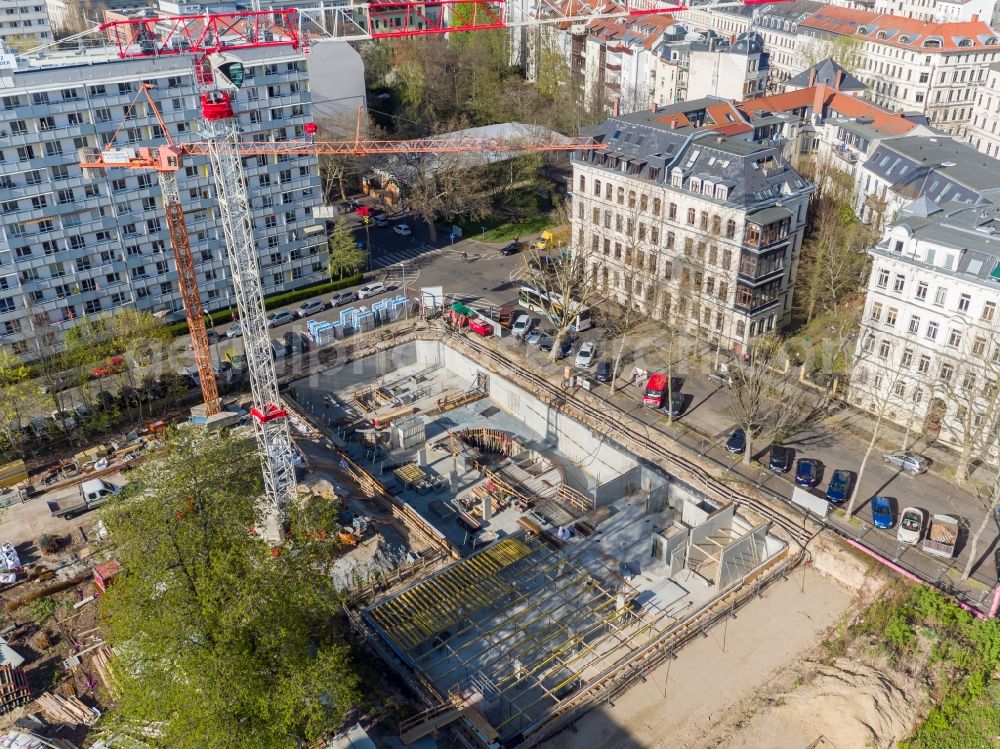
(221, 134)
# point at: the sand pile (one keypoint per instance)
(842, 704)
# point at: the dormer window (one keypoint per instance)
(881, 35)
(964, 42)
(721, 192)
(707, 189)
(862, 30)
(932, 42)
(991, 41)
(904, 39)
(694, 184)
(676, 178)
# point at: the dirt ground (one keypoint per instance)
(704, 698)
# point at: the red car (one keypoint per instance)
(114, 365)
(481, 326)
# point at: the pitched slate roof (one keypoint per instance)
(826, 72)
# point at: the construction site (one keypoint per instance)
(567, 566)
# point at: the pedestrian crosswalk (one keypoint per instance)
(394, 258)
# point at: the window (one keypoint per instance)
(621, 196)
(597, 186)
(876, 313)
(979, 346)
(914, 323)
(868, 343)
(671, 239)
(727, 259)
(989, 309)
(883, 349)
(730, 229)
(583, 183)
(922, 290)
(882, 280)
(900, 388)
(644, 202)
(890, 317)
(691, 216)
(932, 330)
(924, 365)
(595, 215)
(906, 360)
(969, 381)
(954, 338)
(939, 296)
(898, 283)
(703, 221)
(631, 198)
(964, 302)
(672, 212)
(946, 373)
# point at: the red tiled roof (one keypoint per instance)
(722, 117)
(903, 32)
(830, 98)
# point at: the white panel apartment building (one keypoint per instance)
(913, 66)
(693, 226)
(929, 346)
(23, 23)
(74, 245)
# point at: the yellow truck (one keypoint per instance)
(550, 239)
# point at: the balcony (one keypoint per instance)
(757, 299)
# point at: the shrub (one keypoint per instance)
(42, 609)
(49, 544)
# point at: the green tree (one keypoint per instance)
(19, 397)
(846, 51)
(345, 255)
(224, 641)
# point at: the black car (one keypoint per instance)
(781, 459)
(603, 371)
(737, 441)
(546, 342)
(511, 249)
(807, 473)
(565, 348)
(676, 404)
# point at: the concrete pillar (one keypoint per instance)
(487, 509)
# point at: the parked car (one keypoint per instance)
(341, 298)
(82, 410)
(310, 307)
(585, 356)
(603, 371)
(521, 326)
(113, 365)
(546, 342)
(481, 326)
(295, 343)
(279, 318)
(511, 249)
(372, 289)
(882, 512)
(55, 384)
(911, 525)
(534, 337)
(737, 441)
(905, 461)
(780, 460)
(402, 230)
(676, 404)
(839, 488)
(806, 473)
(655, 392)
(381, 220)
(64, 419)
(234, 331)
(565, 349)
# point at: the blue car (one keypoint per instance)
(882, 512)
(737, 441)
(806, 473)
(840, 485)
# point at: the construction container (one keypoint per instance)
(364, 322)
(409, 432)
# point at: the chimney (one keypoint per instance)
(614, 109)
(975, 17)
(840, 80)
(732, 39)
(819, 97)
(673, 123)
(812, 77)
(652, 107)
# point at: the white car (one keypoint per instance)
(371, 289)
(234, 331)
(521, 325)
(585, 356)
(402, 230)
(911, 525)
(310, 308)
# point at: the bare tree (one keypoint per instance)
(342, 173)
(444, 184)
(990, 500)
(568, 282)
(760, 376)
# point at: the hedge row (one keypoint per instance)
(222, 316)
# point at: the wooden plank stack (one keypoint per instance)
(14, 690)
(67, 710)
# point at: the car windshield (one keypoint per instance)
(911, 522)
(838, 482)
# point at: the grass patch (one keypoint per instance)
(501, 229)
